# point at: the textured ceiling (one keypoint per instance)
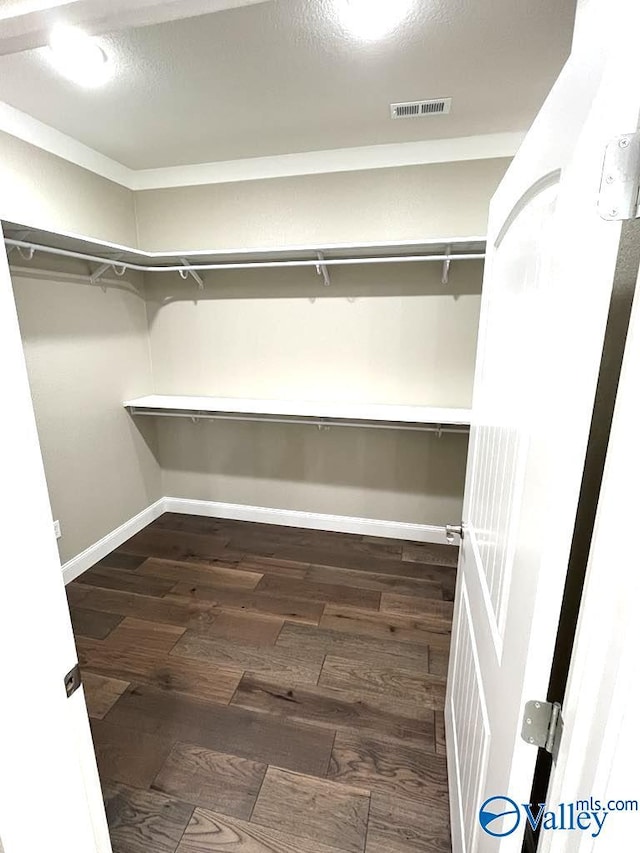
(283, 77)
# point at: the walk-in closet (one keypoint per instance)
(246, 249)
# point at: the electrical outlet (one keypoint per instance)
(57, 530)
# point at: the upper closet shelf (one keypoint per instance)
(28, 241)
(422, 418)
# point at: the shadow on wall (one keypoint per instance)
(87, 351)
(77, 316)
(145, 431)
(347, 282)
(376, 459)
(383, 334)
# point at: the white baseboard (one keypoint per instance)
(94, 553)
(240, 512)
(313, 520)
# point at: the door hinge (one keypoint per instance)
(619, 196)
(543, 725)
(453, 530)
(72, 680)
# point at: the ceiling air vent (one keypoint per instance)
(417, 109)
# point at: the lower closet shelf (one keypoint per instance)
(422, 418)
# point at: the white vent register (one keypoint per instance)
(420, 109)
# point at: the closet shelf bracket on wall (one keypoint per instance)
(97, 274)
(26, 255)
(118, 269)
(446, 265)
(189, 271)
(323, 270)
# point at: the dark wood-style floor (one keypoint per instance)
(261, 689)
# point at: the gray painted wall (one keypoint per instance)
(385, 335)
(86, 352)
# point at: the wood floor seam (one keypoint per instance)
(184, 831)
(366, 829)
(268, 689)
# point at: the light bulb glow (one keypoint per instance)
(79, 57)
(369, 20)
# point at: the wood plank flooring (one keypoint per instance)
(264, 689)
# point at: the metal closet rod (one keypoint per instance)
(126, 265)
(197, 415)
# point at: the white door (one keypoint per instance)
(49, 789)
(549, 272)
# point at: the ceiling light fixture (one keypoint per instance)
(370, 20)
(79, 57)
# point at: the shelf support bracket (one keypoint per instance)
(118, 269)
(97, 274)
(446, 265)
(21, 236)
(185, 273)
(323, 270)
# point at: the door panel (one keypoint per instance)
(547, 286)
(49, 788)
(470, 732)
(504, 399)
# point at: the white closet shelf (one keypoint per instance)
(30, 241)
(422, 418)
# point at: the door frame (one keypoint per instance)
(599, 751)
(613, 354)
